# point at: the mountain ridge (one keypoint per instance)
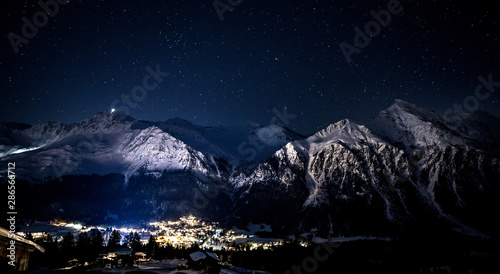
(406, 166)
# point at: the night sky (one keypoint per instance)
(264, 55)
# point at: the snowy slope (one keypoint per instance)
(343, 132)
(341, 167)
(116, 143)
(414, 127)
(105, 143)
(233, 143)
(410, 167)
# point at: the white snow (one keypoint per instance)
(198, 255)
(343, 132)
(252, 228)
(109, 142)
(415, 127)
(319, 240)
(18, 151)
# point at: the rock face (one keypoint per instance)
(407, 167)
(411, 167)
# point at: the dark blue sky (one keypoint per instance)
(263, 55)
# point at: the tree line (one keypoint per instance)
(88, 246)
(85, 247)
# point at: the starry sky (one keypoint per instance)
(263, 55)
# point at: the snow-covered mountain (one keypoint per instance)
(240, 145)
(116, 143)
(332, 181)
(411, 127)
(411, 167)
(407, 166)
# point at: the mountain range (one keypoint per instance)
(408, 167)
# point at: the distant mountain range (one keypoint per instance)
(407, 167)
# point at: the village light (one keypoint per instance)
(75, 226)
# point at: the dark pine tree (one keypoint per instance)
(49, 258)
(68, 241)
(68, 247)
(127, 240)
(152, 248)
(114, 239)
(83, 247)
(136, 244)
(96, 241)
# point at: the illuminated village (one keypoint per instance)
(189, 231)
(186, 232)
(194, 243)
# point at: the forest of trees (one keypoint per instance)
(86, 247)
(405, 255)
